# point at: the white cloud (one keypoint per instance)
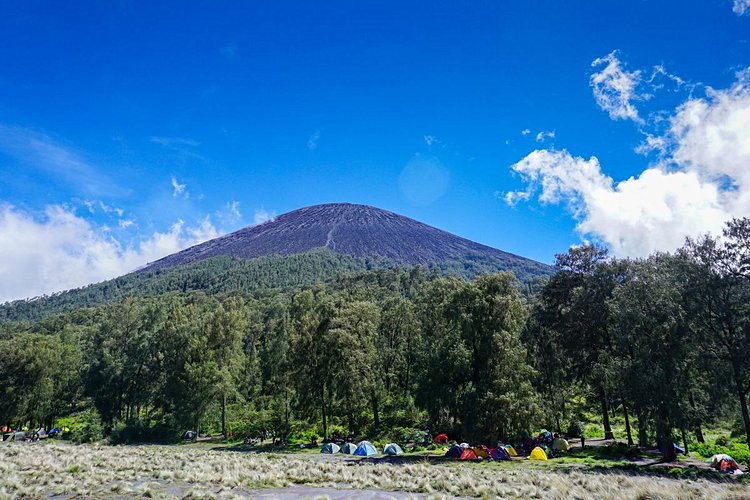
(233, 207)
(654, 211)
(740, 7)
(179, 189)
(171, 142)
(312, 142)
(62, 250)
(262, 215)
(544, 134)
(652, 143)
(59, 161)
(125, 223)
(430, 140)
(615, 89)
(701, 181)
(525, 131)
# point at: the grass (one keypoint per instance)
(37, 470)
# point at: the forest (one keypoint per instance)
(662, 342)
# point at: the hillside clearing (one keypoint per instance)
(36, 470)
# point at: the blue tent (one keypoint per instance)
(454, 451)
(499, 453)
(330, 448)
(365, 449)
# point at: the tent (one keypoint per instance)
(480, 452)
(468, 454)
(392, 449)
(511, 451)
(538, 454)
(365, 449)
(349, 448)
(499, 453)
(560, 444)
(441, 439)
(330, 448)
(464, 445)
(454, 451)
(723, 462)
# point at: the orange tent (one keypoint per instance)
(468, 454)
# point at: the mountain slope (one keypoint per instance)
(307, 246)
(355, 230)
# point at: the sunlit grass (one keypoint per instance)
(37, 470)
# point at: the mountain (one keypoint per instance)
(354, 230)
(310, 245)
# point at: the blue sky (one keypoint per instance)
(129, 130)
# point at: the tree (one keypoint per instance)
(354, 367)
(311, 314)
(720, 296)
(653, 331)
(226, 332)
(573, 304)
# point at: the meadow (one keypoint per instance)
(35, 470)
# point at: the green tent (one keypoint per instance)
(349, 448)
(393, 449)
(330, 448)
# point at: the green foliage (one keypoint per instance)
(660, 344)
(86, 427)
(575, 429)
(738, 451)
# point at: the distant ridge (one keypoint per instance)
(355, 230)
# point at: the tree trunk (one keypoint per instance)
(664, 436)
(375, 411)
(627, 424)
(699, 435)
(224, 415)
(605, 414)
(323, 409)
(685, 441)
(743, 400)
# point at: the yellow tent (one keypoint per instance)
(511, 451)
(480, 452)
(560, 444)
(537, 454)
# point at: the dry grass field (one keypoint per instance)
(60, 469)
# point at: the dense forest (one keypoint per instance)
(223, 275)
(662, 341)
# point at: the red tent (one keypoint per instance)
(469, 454)
(441, 438)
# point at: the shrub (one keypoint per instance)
(575, 429)
(87, 427)
(722, 441)
(304, 436)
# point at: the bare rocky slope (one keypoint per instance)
(355, 230)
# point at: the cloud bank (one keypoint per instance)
(62, 250)
(701, 180)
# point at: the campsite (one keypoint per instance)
(375, 249)
(208, 470)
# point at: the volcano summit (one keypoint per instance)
(355, 230)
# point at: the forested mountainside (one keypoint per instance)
(224, 274)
